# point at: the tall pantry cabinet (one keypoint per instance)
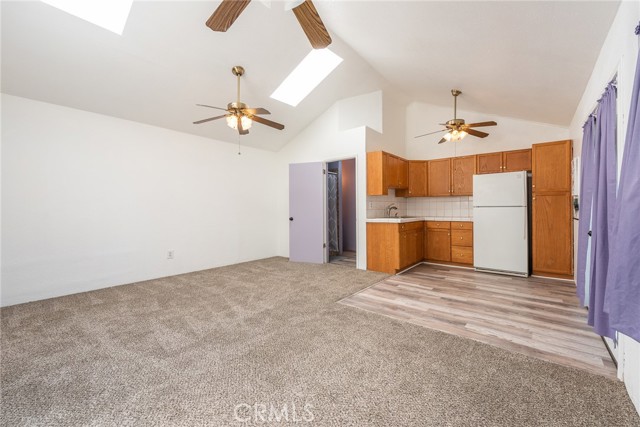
(552, 228)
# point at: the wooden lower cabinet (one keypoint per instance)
(411, 246)
(449, 241)
(462, 254)
(394, 247)
(552, 234)
(437, 241)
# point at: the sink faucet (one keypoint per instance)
(389, 208)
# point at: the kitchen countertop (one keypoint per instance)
(400, 220)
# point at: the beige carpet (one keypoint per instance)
(241, 345)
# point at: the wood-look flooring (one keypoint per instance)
(347, 258)
(537, 317)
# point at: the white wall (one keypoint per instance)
(618, 55)
(509, 134)
(90, 201)
(324, 140)
(391, 137)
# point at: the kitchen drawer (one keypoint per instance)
(462, 225)
(462, 254)
(407, 226)
(462, 237)
(438, 224)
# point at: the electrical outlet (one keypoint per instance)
(370, 205)
(170, 254)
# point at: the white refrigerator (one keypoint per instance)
(500, 223)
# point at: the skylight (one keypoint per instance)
(313, 69)
(108, 14)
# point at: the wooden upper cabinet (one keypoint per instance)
(417, 186)
(506, 161)
(489, 163)
(462, 175)
(402, 173)
(552, 167)
(517, 160)
(385, 171)
(439, 177)
(392, 170)
(376, 176)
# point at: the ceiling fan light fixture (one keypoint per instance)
(455, 135)
(232, 122)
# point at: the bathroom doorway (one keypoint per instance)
(341, 212)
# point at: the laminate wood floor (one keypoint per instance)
(348, 259)
(533, 316)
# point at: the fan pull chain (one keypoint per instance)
(239, 153)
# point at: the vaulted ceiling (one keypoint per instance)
(529, 60)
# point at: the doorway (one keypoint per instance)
(341, 212)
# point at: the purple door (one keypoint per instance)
(306, 212)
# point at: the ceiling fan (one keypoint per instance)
(239, 115)
(456, 128)
(229, 10)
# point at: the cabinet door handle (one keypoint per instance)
(461, 238)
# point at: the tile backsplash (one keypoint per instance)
(376, 205)
(448, 207)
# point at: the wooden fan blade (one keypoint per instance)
(226, 14)
(477, 125)
(209, 119)
(476, 133)
(253, 111)
(431, 133)
(442, 140)
(312, 25)
(267, 122)
(211, 106)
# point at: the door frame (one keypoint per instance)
(325, 202)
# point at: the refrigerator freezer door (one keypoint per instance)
(500, 189)
(500, 240)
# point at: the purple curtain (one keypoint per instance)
(623, 290)
(604, 193)
(586, 194)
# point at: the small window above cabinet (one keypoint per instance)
(505, 161)
(384, 171)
